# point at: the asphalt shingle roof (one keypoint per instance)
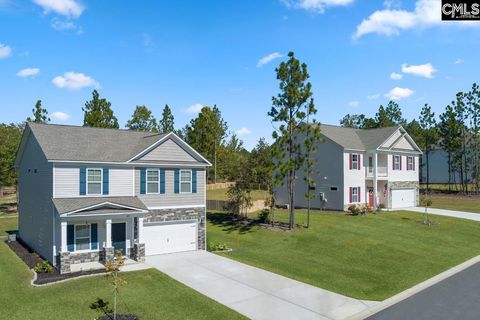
(61, 142)
(360, 139)
(64, 205)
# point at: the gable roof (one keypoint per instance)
(97, 205)
(358, 139)
(74, 143)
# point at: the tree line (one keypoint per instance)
(456, 131)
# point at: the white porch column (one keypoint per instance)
(64, 247)
(108, 236)
(140, 230)
(375, 172)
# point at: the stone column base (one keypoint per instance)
(139, 252)
(65, 262)
(107, 254)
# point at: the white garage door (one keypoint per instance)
(168, 238)
(403, 198)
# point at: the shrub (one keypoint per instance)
(217, 246)
(43, 267)
(354, 210)
(264, 216)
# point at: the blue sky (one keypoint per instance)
(187, 53)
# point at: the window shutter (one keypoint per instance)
(350, 190)
(359, 194)
(177, 181)
(401, 162)
(94, 236)
(393, 162)
(194, 180)
(143, 180)
(70, 237)
(162, 180)
(83, 181)
(105, 181)
(413, 161)
(359, 161)
(351, 160)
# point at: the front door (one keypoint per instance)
(119, 237)
(370, 198)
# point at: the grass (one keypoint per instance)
(366, 257)
(8, 223)
(150, 294)
(221, 194)
(460, 203)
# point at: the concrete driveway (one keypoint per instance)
(447, 213)
(253, 292)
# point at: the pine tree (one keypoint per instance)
(142, 120)
(40, 115)
(98, 113)
(167, 121)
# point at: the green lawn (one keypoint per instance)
(8, 223)
(459, 203)
(150, 294)
(367, 257)
(221, 194)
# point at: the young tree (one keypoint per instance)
(429, 134)
(206, 134)
(113, 268)
(289, 111)
(142, 120)
(40, 115)
(167, 121)
(98, 113)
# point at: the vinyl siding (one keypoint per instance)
(404, 144)
(67, 181)
(170, 198)
(354, 178)
(169, 151)
(404, 174)
(36, 224)
(392, 139)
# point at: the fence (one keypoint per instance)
(220, 185)
(220, 205)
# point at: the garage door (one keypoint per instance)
(168, 238)
(403, 198)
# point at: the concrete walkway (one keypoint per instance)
(253, 292)
(448, 213)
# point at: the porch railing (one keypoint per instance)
(381, 172)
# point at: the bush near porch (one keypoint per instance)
(369, 257)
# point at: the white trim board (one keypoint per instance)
(176, 207)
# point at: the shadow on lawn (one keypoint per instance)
(230, 223)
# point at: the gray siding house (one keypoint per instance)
(375, 167)
(84, 193)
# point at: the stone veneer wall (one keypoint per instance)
(70, 258)
(181, 214)
(403, 185)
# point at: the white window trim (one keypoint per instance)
(354, 195)
(355, 163)
(101, 182)
(410, 158)
(180, 180)
(89, 238)
(397, 163)
(146, 181)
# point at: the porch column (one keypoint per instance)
(140, 230)
(108, 236)
(64, 247)
(375, 191)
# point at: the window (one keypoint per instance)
(370, 165)
(94, 181)
(355, 194)
(396, 163)
(82, 237)
(410, 164)
(153, 181)
(355, 161)
(333, 188)
(185, 181)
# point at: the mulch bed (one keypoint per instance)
(120, 317)
(31, 258)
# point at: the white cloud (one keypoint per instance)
(316, 6)
(272, 56)
(28, 72)
(196, 108)
(459, 61)
(68, 8)
(74, 81)
(60, 116)
(243, 131)
(373, 96)
(396, 76)
(5, 51)
(423, 70)
(390, 22)
(353, 104)
(398, 93)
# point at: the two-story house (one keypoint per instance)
(84, 193)
(377, 167)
